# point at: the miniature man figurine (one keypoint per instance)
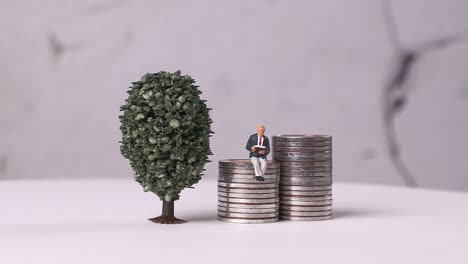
(259, 147)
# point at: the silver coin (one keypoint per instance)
(248, 210)
(246, 164)
(302, 151)
(247, 176)
(308, 184)
(249, 205)
(247, 181)
(294, 213)
(303, 208)
(325, 151)
(321, 145)
(247, 200)
(303, 177)
(297, 158)
(278, 141)
(307, 172)
(272, 166)
(286, 148)
(306, 198)
(238, 190)
(248, 185)
(251, 191)
(283, 158)
(304, 188)
(247, 172)
(304, 154)
(317, 144)
(247, 221)
(250, 166)
(280, 156)
(303, 173)
(288, 165)
(246, 215)
(318, 172)
(236, 162)
(303, 137)
(311, 168)
(311, 144)
(302, 148)
(251, 180)
(306, 179)
(315, 203)
(312, 161)
(305, 165)
(268, 170)
(301, 144)
(309, 147)
(305, 182)
(248, 195)
(305, 193)
(308, 167)
(306, 218)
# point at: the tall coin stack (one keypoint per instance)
(243, 199)
(306, 176)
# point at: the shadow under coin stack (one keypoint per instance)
(241, 198)
(306, 176)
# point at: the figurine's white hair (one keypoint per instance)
(262, 126)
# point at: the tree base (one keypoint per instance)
(167, 219)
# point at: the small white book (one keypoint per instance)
(258, 147)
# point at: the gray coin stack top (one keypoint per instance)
(241, 198)
(306, 176)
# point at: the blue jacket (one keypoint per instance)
(253, 140)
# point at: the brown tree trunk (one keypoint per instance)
(167, 216)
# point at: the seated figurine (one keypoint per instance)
(259, 147)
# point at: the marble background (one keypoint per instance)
(387, 79)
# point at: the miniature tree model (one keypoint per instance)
(166, 129)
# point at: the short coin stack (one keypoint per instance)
(243, 199)
(306, 176)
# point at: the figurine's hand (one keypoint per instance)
(261, 152)
(253, 148)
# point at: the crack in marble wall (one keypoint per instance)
(58, 48)
(396, 92)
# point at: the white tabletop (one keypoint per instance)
(104, 221)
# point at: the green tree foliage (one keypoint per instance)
(166, 129)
